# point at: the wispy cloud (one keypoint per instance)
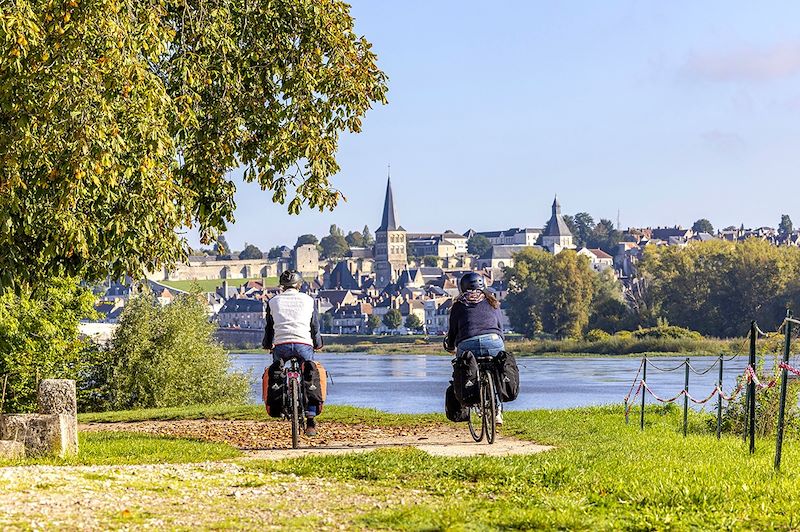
(724, 142)
(745, 64)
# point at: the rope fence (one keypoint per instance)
(747, 381)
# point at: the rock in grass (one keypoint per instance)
(57, 396)
(11, 450)
(41, 434)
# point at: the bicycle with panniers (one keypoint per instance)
(482, 419)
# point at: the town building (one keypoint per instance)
(305, 259)
(510, 237)
(390, 244)
(242, 313)
(557, 236)
(598, 259)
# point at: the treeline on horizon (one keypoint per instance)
(715, 288)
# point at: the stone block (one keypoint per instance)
(57, 396)
(41, 434)
(11, 450)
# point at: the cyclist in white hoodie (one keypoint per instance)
(292, 329)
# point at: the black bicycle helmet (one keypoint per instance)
(291, 279)
(471, 281)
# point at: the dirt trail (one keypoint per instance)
(271, 439)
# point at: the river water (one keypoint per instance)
(416, 383)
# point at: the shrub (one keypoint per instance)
(666, 332)
(597, 335)
(767, 403)
(167, 356)
(39, 338)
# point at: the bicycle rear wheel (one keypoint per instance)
(489, 408)
(475, 420)
(294, 405)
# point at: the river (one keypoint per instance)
(416, 383)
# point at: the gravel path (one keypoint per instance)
(272, 439)
(227, 495)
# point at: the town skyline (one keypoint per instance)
(237, 242)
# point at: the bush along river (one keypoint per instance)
(414, 384)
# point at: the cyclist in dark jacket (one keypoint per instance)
(475, 324)
(475, 319)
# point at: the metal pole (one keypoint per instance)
(627, 421)
(719, 399)
(3, 398)
(752, 412)
(782, 406)
(644, 393)
(686, 399)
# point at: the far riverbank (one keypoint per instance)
(626, 347)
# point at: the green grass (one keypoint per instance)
(603, 475)
(118, 448)
(337, 413)
(210, 285)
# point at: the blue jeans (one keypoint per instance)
(301, 352)
(482, 345)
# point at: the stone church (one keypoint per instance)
(391, 256)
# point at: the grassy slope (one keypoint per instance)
(209, 285)
(603, 475)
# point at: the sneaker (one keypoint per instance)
(498, 419)
(311, 427)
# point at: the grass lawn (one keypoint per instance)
(210, 285)
(602, 475)
(117, 448)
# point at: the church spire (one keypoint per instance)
(389, 221)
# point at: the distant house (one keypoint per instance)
(337, 298)
(110, 311)
(678, 234)
(514, 236)
(599, 259)
(242, 313)
(499, 257)
(437, 314)
(351, 319)
(341, 278)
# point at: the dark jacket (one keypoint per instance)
(468, 320)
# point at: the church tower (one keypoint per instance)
(558, 236)
(390, 244)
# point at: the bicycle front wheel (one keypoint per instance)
(489, 409)
(296, 414)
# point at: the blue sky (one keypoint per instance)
(665, 111)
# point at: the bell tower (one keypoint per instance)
(390, 244)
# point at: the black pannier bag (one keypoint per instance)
(453, 409)
(507, 373)
(465, 379)
(311, 383)
(272, 389)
